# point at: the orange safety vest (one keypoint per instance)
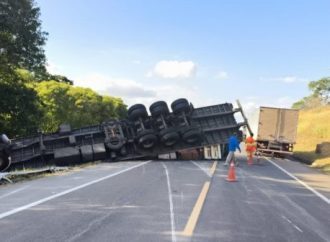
(250, 144)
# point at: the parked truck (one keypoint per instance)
(277, 130)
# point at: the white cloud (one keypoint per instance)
(173, 69)
(249, 107)
(284, 102)
(285, 79)
(251, 110)
(133, 92)
(169, 93)
(222, 75)
(289, 79)
(125, 88)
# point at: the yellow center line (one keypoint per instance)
(191, 224)
(213, 167)
(193, 218)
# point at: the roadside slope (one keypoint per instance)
(313, 129)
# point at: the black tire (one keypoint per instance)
(4, 162)
(115, 143)
(192, 135)
(158, 108)
(137, 111)
(123, 151)
(169, 137)
(180, 105)
(184, 129)
(147, 139)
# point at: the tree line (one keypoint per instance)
(320, 95)
(31, 99)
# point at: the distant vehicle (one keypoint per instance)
(277, 130)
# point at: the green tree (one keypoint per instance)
(321, 89)
(58, 78)
(19, 107)
(320, 95)
(25, 104)
(21, 37)
(63, 103)
(22, 59)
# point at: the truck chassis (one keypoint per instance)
(138, 136)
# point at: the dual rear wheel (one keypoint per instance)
(147, 138)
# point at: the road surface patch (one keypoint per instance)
(200, 167)
(191, 224)
(13, 192)
(193, 218)
(290, 222)
(212, 169)
(27, 206)
(171, 203)
(299, 181)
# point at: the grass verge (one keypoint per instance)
(313, 129)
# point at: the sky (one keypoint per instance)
(263, 53)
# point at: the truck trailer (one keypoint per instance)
(140, 135)
(277, 130)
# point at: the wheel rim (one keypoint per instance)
(170, 139)
(148, 143)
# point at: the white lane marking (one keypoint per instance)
(171, 203)
(200, 167)
(295, 226)
(287, 219)
(27, 206)
(13, 192)
(301, 182)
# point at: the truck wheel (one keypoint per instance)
(123, 151)
(180, 105)
(137, 111)
(4, 162)
(115, 143)
(158, 108)
(147, 139)
(169, 136)
(191, 135)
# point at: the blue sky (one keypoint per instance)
(261, 52)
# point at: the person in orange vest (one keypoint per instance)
(250, 147)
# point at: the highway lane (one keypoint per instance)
(264, 205)
(154, 201)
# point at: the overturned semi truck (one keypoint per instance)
(138, 136)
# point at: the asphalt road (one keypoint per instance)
(170, 201)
